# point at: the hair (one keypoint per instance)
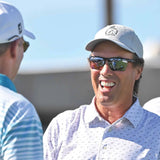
(140, 63)
(4, 47)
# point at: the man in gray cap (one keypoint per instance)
(20, 127)
(114, 125)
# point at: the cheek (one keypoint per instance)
(94, 79)
(19, 60)
(129, 80)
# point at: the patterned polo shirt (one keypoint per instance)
(81, 134)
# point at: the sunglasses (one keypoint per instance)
(115, 63)
(25, 45)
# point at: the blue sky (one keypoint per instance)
(63, 28)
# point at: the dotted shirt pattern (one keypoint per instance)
(81, 134)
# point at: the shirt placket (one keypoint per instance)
(106, 146)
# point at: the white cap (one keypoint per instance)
(121, 35)
(153, 105)
(11, 24)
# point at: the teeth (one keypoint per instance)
(107, 84)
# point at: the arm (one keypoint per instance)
(22, 133)
(50, 141)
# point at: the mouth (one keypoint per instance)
(105, 84)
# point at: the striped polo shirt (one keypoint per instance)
(20, 127)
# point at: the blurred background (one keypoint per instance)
(54, 74)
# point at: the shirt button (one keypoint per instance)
(105, 146)
(110, 129)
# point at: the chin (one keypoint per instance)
(103, 100)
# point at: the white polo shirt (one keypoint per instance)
(81, 134)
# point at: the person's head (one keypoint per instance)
(116, 63)
(12, 43)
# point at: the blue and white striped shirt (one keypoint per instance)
(20, 127)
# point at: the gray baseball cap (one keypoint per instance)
(121, 35)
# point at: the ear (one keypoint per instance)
(13, 48)
(139, 72)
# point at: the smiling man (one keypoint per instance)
(113, 87)
(114, 125)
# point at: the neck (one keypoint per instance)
(6, 66)
(112, 113)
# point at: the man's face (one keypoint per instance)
(113, 87)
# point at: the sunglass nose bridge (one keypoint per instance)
(106, 68)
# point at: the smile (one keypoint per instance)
(107, 84)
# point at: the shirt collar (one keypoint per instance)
(91, 112)
(133, 115)
(6, 82)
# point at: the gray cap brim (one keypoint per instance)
(91, 45)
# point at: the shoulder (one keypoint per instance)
(70, 116)
(65, 120)
(8, 95)
(14, 104)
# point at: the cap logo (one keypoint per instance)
(112, 31)
(20, 28)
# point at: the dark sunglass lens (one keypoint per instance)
(118, 64)
(96, 62)
(25, 45)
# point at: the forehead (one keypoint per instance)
(110, 49)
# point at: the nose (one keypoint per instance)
(106, 70)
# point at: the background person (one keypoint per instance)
(20, 127)
(153, 105)
(114, 125)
